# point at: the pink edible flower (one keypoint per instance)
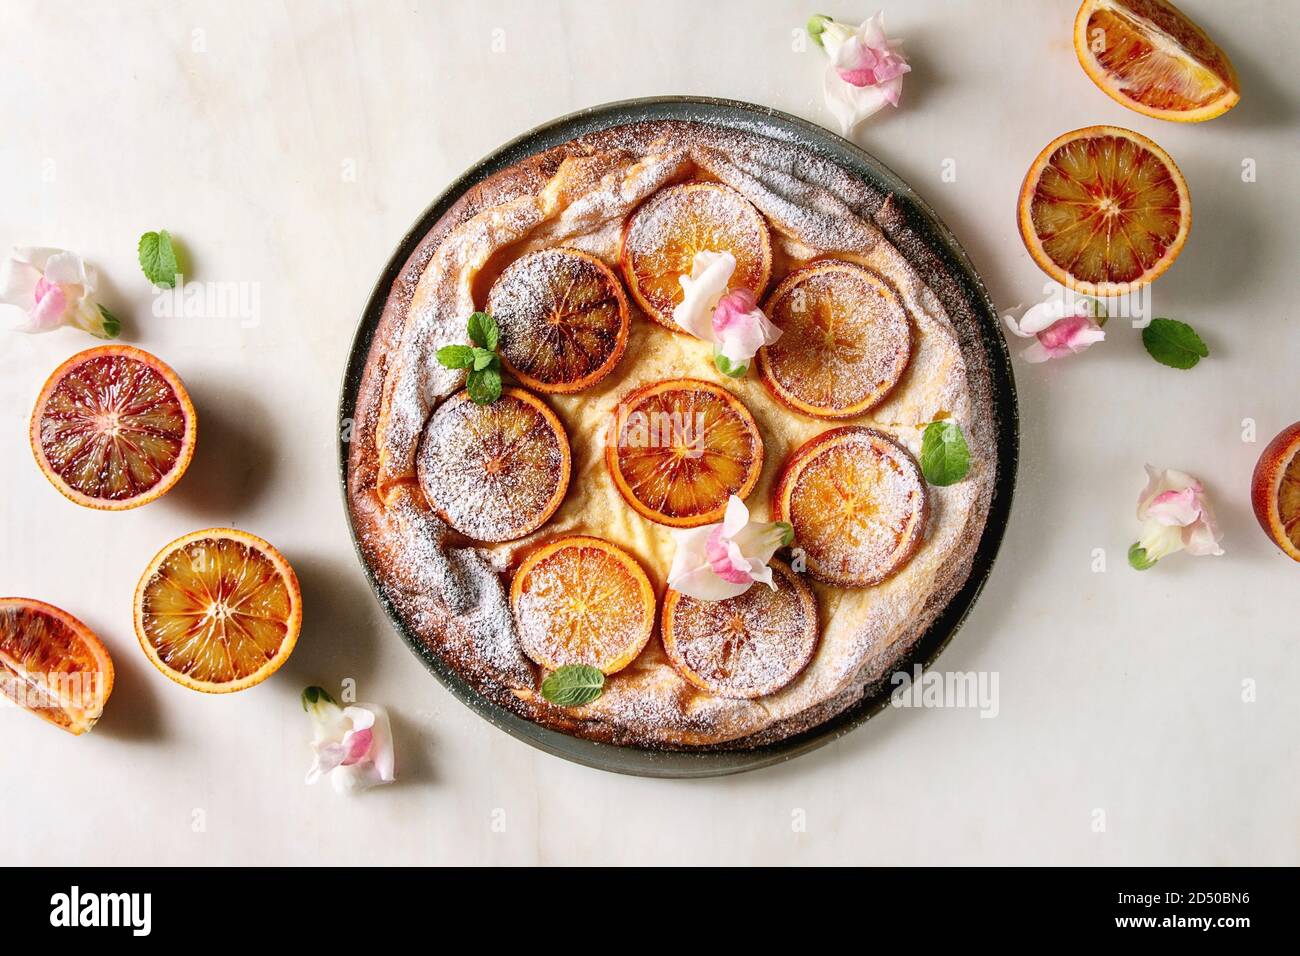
(1061, 328)
(353, 745)
(740, 328)
(43, 289)
(1175, 516)
(866, 68)
(722, 561)
(729, 318)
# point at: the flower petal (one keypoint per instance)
(1160, 481)
(18, 282)
(851, 104)
(382, 752)
(1202, 537)
(1159, 540)
(735, 518)
(362, 717)
(691, 554)
(329, 755)
(741, 334)
(355, 746)
(762, 574)
(834, 35)
(328, 721)
(35, 256)
(1072, 334)
(701, 290)
(51, 306)
(711, 587)
(872, 30)
(1039, 317)
(1174, 508)
(726, 559)
(68, 269)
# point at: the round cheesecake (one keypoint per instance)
(600, 206)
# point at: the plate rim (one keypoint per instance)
(644, 761)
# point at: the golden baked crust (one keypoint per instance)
(453, 593)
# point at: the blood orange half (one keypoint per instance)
(1275, 491)
(113, 428)
(218, 610)
(1104, 210)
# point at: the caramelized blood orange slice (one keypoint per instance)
(113, 428)
(857, 502)
(678, 450)
(1148, 56)
(1275, 491)
(846, 341)
(662, 236)
(747, 646)
(494, 472)
(52, 665)
(563, 319)
(1104, 210)
(582, 600)
(218, 610)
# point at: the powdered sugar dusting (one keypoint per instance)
(450, 591)
(857, 505)
(562, 316)
(493, 472)
(665, 233)
(747, 646)
(580, 605)
(847, 338)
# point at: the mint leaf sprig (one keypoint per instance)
(1174, 343)
(158, 259)
(484, 382)
(945, 456)
(573, 685)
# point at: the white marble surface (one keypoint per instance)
(234, 125)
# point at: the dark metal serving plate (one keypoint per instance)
(783, 127)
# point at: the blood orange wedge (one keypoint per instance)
(582, 600)
(1275, 491)
(1148, 56)
(858, 505)
(747, 646)
(53, 665)
(218, 610)
(846, 340)
(678, 450)
(1104, 210)
(663, 235)
(494, 472)
(563, 319)
(113, 428)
